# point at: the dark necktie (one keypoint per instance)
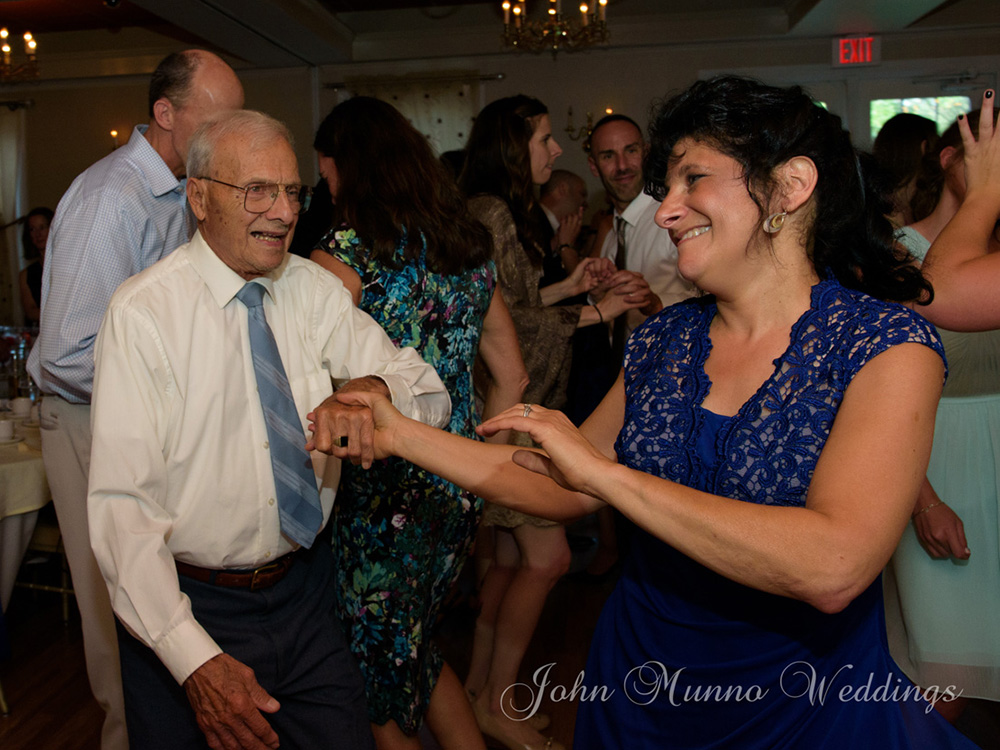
(295, 481)
(619, 328)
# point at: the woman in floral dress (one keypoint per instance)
(415, 261)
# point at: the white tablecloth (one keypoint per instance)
(23, 490)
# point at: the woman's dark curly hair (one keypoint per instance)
(498, 162)
(392, 187)
(762, 127)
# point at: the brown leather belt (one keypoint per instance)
(259, 578)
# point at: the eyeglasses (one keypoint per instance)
(258, 197)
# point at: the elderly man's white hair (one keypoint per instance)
(259, 128)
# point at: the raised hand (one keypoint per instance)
(982, 154)
(569, 228)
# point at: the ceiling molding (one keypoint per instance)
(264, 33)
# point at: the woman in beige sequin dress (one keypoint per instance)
(511, 149)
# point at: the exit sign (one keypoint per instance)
(857, 50)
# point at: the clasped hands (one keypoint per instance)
(630, 287)
(345, 429)
(567, 456)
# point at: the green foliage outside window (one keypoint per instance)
(941, 109)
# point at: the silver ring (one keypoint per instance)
(527, 410)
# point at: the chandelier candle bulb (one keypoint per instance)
(602, 5)
(554, 32)
(506, 12)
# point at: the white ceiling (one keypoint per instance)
(278, 33)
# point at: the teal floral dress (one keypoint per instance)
(401, 534)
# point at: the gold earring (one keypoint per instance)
(774, 222)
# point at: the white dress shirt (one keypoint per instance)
(649, 250)
(180, 467)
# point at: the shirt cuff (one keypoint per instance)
(430, 407)
(185, 648)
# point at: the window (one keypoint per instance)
(941, 109)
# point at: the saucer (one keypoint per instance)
(12, 441)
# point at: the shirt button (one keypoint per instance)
(270, 501)
(266, 445)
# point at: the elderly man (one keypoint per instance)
(118, 217)
(203, 499)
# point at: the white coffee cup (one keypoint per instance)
(21, 406)
(6, 430)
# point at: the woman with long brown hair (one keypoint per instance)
(511, 150)
(406, 247)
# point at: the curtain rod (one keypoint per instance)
(15, 104)
(447, 78)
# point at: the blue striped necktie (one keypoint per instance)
(295, 481)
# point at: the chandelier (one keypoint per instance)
(11, 72)
(558, 31)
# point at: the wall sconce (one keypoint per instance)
(575, 134)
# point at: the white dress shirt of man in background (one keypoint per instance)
(118, 217)
(181, 474)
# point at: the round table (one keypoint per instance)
(23, 490)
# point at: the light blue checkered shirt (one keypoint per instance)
(118, 217)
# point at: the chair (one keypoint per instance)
(47, 540)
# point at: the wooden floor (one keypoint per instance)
(51, 707)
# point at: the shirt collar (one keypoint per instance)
(161, 180)
(223, 282)
(553, 219)
(633, 211)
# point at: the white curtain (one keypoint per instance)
(12, 191)
(441, 106)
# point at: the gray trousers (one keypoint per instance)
(66, 439)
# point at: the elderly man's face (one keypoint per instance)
(250, 244)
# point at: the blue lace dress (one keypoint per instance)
(401, 534)
(685, 658)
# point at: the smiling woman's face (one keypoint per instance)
(708, 211)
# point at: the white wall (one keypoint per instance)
(68, 126)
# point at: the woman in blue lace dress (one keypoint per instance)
(768, 438)
(419, 265)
